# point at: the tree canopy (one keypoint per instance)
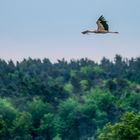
(75, 100)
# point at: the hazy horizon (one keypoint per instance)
(52, 29)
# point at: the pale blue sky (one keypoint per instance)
(52, 29)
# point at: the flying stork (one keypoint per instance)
(102, 27)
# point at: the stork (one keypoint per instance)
(102, 27)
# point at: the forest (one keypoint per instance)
(70, 100)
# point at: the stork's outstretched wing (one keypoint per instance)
(102, 24)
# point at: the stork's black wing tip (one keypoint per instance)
(101, 16)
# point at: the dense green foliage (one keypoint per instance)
(76, 100)
(127, 129)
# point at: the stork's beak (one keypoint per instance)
(84, 32)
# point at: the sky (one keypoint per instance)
(52, 29)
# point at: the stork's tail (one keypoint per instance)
(114, 32)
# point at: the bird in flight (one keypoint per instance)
(102, 27)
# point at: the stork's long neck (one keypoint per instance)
(89, 31)
(92, 31)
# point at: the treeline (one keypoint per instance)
(76, 100)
